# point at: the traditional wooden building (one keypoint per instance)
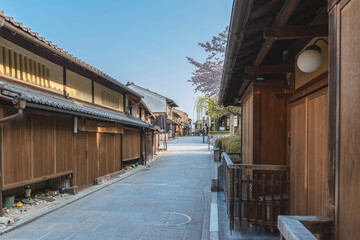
(184, 125)
(293, 67)
(161, 107)
(60, 117)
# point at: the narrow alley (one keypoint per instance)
(165, 201)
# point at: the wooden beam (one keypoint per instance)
(286, 11)
(321, 18)
(296, 32)
(284, 68)
(248, 77)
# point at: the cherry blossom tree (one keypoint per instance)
(207, 75)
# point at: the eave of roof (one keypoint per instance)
(8, 22)
(171, 103)
(168, 100)
(239, 16)
(51, 102)
(246, 40)
(147, 108)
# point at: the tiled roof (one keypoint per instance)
(63, 53)
(40, 98)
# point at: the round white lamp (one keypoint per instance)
(310, 59)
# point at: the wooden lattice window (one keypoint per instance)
(21, 67)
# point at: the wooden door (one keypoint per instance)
(317, 151)
(308, 156)
(81, 163)
(93, 158)
(298, 159)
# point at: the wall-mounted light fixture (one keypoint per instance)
(259, 77)
(310, 59)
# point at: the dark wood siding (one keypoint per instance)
(110, 153)
(93, 156)
(102, 153)
(264, 124)
(131, 144)
(149, 147)
(41, 146)
(35, 147)
(102, 156)
(17, 149)
(64, 144)
(81, 167)
(348, 131)
(43, 138)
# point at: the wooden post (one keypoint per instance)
(263, 202)
(248, 201)
(231, 198)
(272, 203)
(240, 196)
(256, 191)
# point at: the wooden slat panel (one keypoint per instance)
(110, 153)
(131, 144)
(272, 128)
(149, 147)
(349, 124)
(298, 174)
(93, 156)
(317, 153)
(43, 147)
(81, 174)
(7, 61)
(16, 145)
(118, 153)
(102, 153)
(12, 63)
(64, 144)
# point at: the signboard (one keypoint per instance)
(86, 125)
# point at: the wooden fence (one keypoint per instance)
(255, 194)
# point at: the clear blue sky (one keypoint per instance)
(141, 41)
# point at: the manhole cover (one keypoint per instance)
(167, 218)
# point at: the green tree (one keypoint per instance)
(208, 106)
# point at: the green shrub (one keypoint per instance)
(218, 143)
(233, 144)
(229, 144)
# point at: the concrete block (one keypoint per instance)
(73, 190)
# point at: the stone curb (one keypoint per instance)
(84, 193)
(214, 216)
(205, 234)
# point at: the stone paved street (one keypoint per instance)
(165, 202)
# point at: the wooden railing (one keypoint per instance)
(253, 199)
(304, 227)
